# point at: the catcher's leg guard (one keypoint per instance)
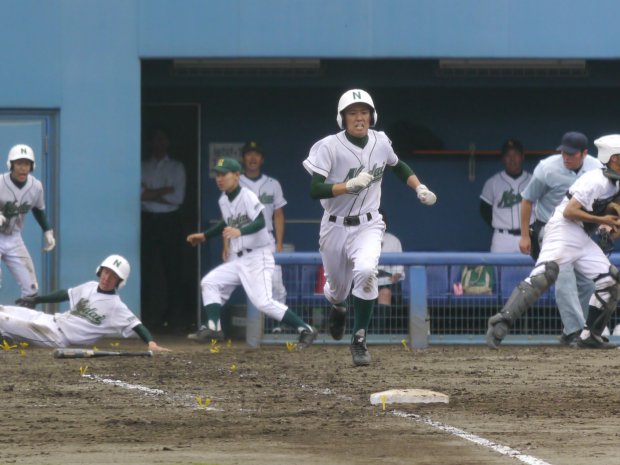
(607, 293)
(524, 295)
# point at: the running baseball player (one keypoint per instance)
(251, 262)
(500, 201)
(567, 242)
(21, 192)
(95, 311)
(347, 169)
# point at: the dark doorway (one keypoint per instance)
(164, 307)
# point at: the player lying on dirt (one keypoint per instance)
(96, 311)
(567, 241)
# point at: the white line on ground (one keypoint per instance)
(187, 400)
(504, 450)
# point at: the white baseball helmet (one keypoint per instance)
(19, 152)
(119, 265)
(355, 96)
(607, 146)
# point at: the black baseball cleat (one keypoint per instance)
(568, 339)
(594, 342)
(337, 321)
(359, 351)
(205, 335)
(306, 338)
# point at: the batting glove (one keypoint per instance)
(359, 182)
(2, 219)
(425, 196)
(29, 301)
(48, 239)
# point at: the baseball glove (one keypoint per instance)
(27, 301)
(605, 236)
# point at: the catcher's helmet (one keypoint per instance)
(119, 265)
(355, 96)
(20, 152)
(607, 146)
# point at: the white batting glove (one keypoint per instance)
(425, 196)
(48, 240)
(359, 182)
(2, 219)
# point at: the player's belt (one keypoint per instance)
(514, 232)
(241, 252)
(349, 220)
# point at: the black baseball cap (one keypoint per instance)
(573, 142)
(252, 146)
(512, 144)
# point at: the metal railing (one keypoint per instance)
(424, 307)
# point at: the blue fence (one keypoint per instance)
(425, 309)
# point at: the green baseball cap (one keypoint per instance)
(227, 165)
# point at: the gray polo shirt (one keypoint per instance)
(550, 182)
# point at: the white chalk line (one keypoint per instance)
(186, 399)
(504, 450)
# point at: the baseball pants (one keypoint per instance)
(254, 271)
(351, 256)
(34, 327)
(567, 243)
(15, 256)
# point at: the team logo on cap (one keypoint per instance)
(220, 162)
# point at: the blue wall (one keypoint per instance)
(82, 57)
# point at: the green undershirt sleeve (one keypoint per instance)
(215, 230)
(319, 189)
(39, 215)
(402, 170)
(144, 333)
(61, 295)
(254, 226)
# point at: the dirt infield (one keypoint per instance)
(271, 406)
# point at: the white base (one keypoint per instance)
(408, 396)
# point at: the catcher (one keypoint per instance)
(96, 311)
(567, 241)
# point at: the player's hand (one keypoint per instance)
(425, 196)
(611, 220)
(48, 241)
(525, 245)
(155, 348)
(2, 219)
(231, 233)
(196, 238)
(359, 182)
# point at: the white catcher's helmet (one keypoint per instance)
(607, 146)
(119, 265)
(20, 152)
(355, 96)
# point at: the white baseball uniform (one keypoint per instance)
(269, 192)
(390, 243)
(566, 241)
(92, 315)
(351, 227)
(15, 203)
(250, 262)
(503, 193)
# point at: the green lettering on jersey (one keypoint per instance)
(376, 171)
(265, 198)
(82, 310)
(509, 199)
(238, 221)
(12, 209)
